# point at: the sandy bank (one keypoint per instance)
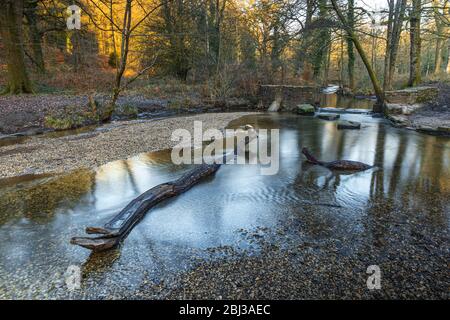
(114, 141)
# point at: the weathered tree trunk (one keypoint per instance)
(322, 42)
(390, 23)
(438, 56)
(379, 106)
(415, 44)
(35, 35)
(117, 229)
(113, 34)
(11, 12)
(396, 32)
(396, 17)
(439, 34)
(327, 65)
(341, 61)
(448, 59)
(350, 51)
(220, 8)
(306, 35)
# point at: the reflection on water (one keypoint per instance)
(38, 216)
(9, 140)
(335, 100)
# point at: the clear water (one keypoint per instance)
(39, 215)
(334, 100)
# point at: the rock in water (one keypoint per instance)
(274, 106)
(344, 165)
(328, 116)
(407, 109)
(306, 109)
(345, 124)
(330, 89)
(399, 120)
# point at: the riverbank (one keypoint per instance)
(289, 267)
(27, 115)
(114, 141)
(432, 117)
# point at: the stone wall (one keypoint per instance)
(289, 96)
(412, 95)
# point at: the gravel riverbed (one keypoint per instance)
(114, 141)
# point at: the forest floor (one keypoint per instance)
(27, 115)
(30, 114)
(117, 140)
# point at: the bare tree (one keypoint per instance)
(126, 30)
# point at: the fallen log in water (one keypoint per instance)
(118, 228)
(346, 165)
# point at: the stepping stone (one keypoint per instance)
(328, 116)
(274, 106)
(407, 109)
(341, 110)
(345, 124)
(305, 109)
(399, 120)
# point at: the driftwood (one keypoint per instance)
(345, 165)
(118, 228)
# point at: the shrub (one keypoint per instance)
(113, 60)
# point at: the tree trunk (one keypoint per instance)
(306, 35)
(116, 230)
(438, 56)
(322, 42)
(379, 106)
(387, 56)
(446, 13)
(396, 32)
(439, 40)
(415, 44)
(396, 17)
(341, 61)
(124, 48)
(350, 51)
(11, 12)
(113, 34)
(448, 59)
(35, 34)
